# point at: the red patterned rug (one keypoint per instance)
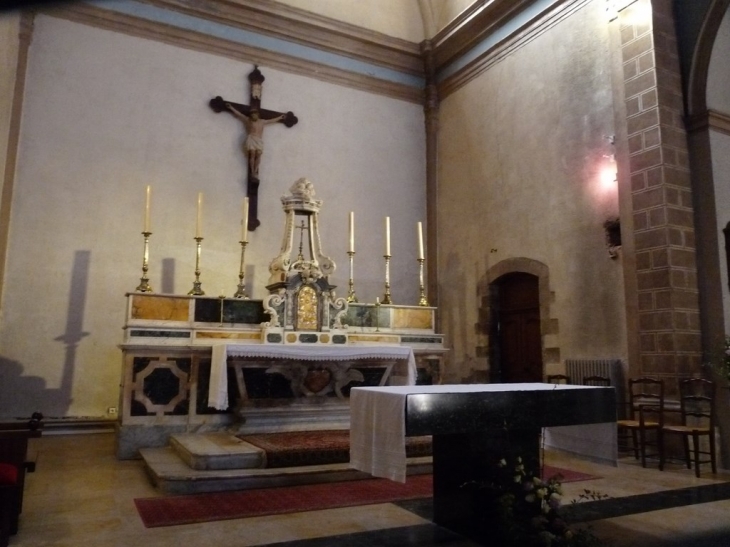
(189, 509)
(173, 510)
(299, 448)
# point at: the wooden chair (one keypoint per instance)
(645, 415)
(599, 381)
(558, 379)
(697, 405)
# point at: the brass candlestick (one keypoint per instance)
(144, 285)
(386, 296)
(351, 297)
(422, 300)
(197, 290)
(241, 292)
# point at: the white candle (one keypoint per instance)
(387, 236)
(244, 221)
(352, 232)
(420, 241)
(199, 217)
(147, 211)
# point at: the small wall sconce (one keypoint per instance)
(613, 236)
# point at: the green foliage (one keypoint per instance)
(516, 508)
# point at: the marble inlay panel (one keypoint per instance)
(160, 308)
(410, 318)
(375, 338)
(229, 335)
(159, 333)
(208, 310)
(421, 339)
(367, 316)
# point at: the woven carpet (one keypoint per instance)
(299, 448)
(188, 509)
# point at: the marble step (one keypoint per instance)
(217, 451)
(172, 475)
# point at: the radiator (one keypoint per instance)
(578, 369)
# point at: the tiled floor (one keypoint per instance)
(82, 496)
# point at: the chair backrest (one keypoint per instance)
(647, 393)
(697, 401)
(558, 379)
(600, 381)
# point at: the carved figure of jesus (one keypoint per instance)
(253, 146)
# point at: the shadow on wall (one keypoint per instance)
(23, 395)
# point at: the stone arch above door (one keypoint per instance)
(548, 324)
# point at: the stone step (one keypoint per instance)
(217, 451)
(171, 475)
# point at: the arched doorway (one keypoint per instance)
(516, 299)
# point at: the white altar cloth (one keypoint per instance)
(377, 427)
(218, 388)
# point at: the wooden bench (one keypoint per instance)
(14, 464)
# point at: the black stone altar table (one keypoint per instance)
(473, 427)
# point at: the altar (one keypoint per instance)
(286, 362)
(473, 428)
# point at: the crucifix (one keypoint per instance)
(254, 119)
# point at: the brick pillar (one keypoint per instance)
(664, 235)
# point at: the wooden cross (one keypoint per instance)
(254, 119)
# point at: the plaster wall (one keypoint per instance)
(718, 74)
(105, 115)
(522, 151)
(397, 18)
(9, 28)
(720, 144)
(718, 100)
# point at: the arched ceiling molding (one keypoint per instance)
(697, 88)
(472, 26)
(266, 33)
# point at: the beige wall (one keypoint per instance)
(521, 154)
(9, 29)
(397, 18)
(105, 115)
(718, 100)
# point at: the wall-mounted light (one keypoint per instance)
(609, 170)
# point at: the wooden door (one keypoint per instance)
(519, 336)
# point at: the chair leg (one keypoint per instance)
(713, 460)
(696, 442)
(687, 458)
(642, 440)
(636, 443)
(660, 448)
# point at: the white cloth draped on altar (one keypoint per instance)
(218, 388)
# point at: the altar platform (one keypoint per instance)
(217, 462)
